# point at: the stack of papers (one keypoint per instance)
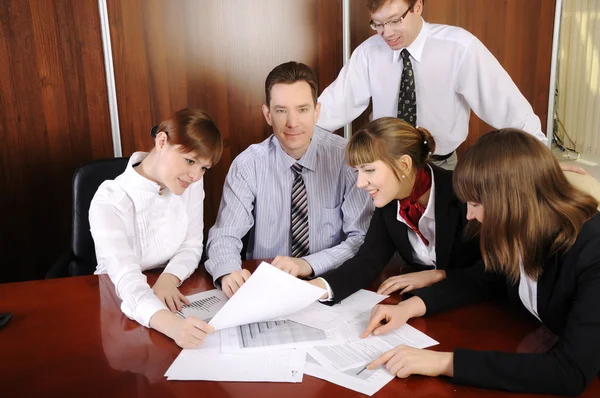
(266, 329)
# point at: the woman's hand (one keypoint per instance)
(404, 361)
(411, 281)
(189, 332)
(166, 290)
(385, 318)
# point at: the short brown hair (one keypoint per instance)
(289, 73)
(194, 131)
(387, 139)
(374, 5)
(531, 211)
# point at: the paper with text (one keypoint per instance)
(359, 352)
(208, 363)
(204, 305)
(269, 293)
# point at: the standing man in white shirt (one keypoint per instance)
(429, 75)
(293, 193)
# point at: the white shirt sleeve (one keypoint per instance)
(348, 96)
(186, 259)
(491, 93)
(111, 225)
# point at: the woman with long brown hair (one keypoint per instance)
(540, 243)
(152, 216)
(417, 212)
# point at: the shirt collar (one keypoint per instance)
(416, 47)
(308, 160)
(133, 180)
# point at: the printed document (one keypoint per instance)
(359, 379)
(207, 363)
(359, 352)
(204, 305)
(269, 293)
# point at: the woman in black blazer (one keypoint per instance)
(418, 214)
(540, 242)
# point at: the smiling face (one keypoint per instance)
(292, 114)
(175, 169)
(399, 34)
(379, 180)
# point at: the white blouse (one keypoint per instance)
(137, 227)
(528, 292)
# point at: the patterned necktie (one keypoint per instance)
(300, 242)
(407, 99)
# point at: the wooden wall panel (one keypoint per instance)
(517, 32)
(214, 55)
(53, 118)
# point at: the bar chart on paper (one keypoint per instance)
(261, 334)
(204, 305)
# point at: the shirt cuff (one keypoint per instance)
(147, 308)
(329, 292)
(222, 271)
(318, 262)
(179, 270)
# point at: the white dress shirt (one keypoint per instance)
(423, 254)
(137, 227)
(528, 292)
(454, 73)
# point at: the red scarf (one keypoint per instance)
(411, 210)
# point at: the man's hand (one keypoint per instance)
(293, 266)
(166, 290)
(411, 281)
(404, 361)
(232, 282)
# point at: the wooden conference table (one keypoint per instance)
(68, 338)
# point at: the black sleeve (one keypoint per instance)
(360, 271)
(570, 365)
(462, 286)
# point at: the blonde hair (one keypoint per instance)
(388, 139)
(531, 211)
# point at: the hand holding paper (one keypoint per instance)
(269, 293)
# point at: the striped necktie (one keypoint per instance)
(407, 99)
(300, 242)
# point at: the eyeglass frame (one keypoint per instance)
(381, 26)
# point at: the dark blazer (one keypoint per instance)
(568, 300)
(387, 235)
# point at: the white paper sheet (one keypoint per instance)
(274, 335)
(325, 317)
(204, 305)
(269, 293)
(359, 352)
(365, 381)
(207, 363)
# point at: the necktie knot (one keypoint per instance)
(297, 168)
(405, 54)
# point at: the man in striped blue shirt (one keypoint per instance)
(297, 166)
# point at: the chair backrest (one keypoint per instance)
(86, 181)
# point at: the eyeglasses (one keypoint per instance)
(393, 23)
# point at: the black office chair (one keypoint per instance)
(80, 259)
